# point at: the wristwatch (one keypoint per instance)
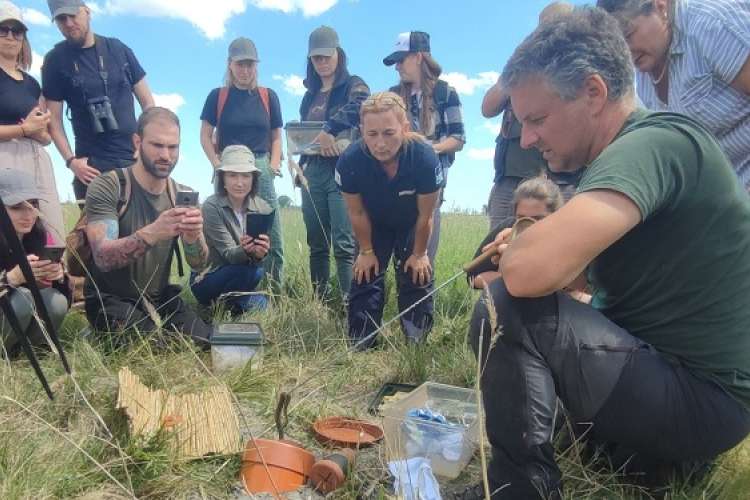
(69, 161)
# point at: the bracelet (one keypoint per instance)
(5, 281)
(419, 255)
(23, 130)
(367, 251)
(69, 161)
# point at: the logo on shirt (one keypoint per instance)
(408, 192)
(439, 174)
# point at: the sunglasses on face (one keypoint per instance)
(386, 101)
(18, 32)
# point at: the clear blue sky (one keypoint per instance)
(182, 44)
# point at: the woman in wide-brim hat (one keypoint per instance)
(235, 266)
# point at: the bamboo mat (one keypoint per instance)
(200, 424)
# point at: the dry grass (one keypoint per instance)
(77, 446)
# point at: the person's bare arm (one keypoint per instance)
(143, 94)
(57, 130)
(366, 265)
(276, 150)
(448, 145)
(111, 252)
(552, 253)
(207, 143)
(494, 102)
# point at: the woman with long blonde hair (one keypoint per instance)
(432, 106)
(391, 183)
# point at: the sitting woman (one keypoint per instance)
(235, 258)
(21, 198)
(534, 198)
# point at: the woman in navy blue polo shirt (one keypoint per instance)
(391, 182)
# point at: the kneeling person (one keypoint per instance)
(235, 265)
(132, 253)
(657, 364)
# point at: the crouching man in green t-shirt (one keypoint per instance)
(658, 363)
(128, 288)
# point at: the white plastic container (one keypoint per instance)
(449, 446)
(233, 345)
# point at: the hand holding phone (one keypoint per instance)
(52, 253)
(258, 224)
(186, 199)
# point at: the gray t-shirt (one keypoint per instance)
(151, 272)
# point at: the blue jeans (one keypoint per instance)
(327, 223)
(230, 278)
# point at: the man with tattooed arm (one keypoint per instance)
(129, 285)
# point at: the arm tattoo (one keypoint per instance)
(111, 252)
(196, 254)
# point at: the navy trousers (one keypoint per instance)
(366, 300)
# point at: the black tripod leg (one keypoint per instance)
(10, 315)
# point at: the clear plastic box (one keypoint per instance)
(299, 137)
(233, 345)
(449, 446)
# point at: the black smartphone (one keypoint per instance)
(258, 224)
(187, 199)
(52, 253)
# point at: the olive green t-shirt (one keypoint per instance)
(151, 272)
(679, 280)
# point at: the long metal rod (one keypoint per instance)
(382, 327)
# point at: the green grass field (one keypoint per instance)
(78, 446)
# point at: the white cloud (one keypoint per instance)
(210, 21)
(292, 84)
(33, 16)
(481, 154)
(466, 85)
(309, 8)
(493, 127)
(169, 101)
(36, 65)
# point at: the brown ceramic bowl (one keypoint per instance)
(346, 432)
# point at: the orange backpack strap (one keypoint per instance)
(223, 94)
(263, 91)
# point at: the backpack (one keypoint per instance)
(223, 94)
(78, 249)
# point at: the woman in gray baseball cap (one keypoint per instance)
(23, 118)
(333, 96)
(21, 199)
(236, 250)
(244, 113)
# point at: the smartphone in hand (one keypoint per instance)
(52, 253)
(186, 199)
(258, 224)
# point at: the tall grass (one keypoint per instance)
(78, 446)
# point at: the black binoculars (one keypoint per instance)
(102, 117)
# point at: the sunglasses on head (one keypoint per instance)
(386, 101)
(18, 32)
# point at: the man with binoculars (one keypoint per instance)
(96, 77)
